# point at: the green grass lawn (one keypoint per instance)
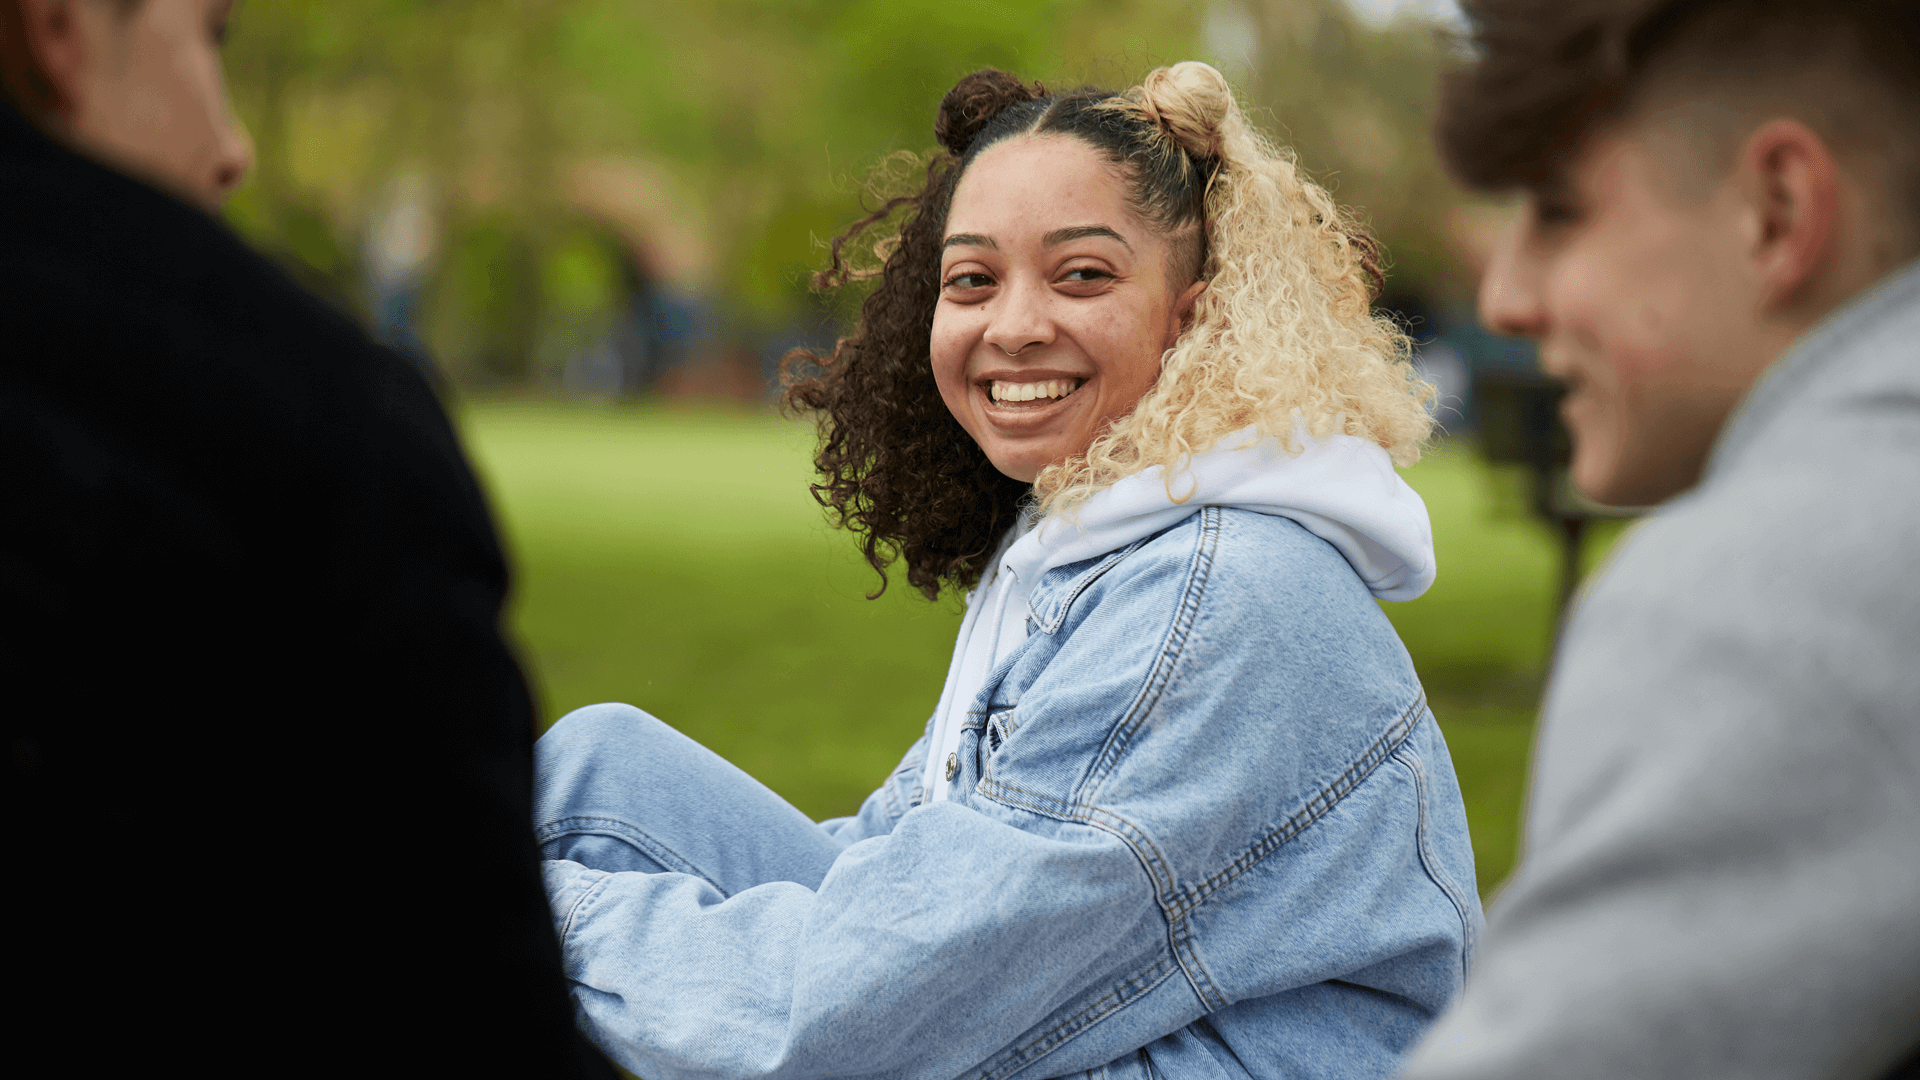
(674, 560)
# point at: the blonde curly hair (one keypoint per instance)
(1284, 328)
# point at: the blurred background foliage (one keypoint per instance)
(557, 159)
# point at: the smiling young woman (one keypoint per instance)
(1181, 809)
(1056, 303)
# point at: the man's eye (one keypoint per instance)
(1553, 213)
(219, 18)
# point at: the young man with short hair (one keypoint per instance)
(269, 758)
(1717, 255)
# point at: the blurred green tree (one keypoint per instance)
(717, 146)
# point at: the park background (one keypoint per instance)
(593, 222)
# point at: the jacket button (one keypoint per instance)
(953, 766)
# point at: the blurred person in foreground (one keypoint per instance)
(1717, 256)
(251, 594)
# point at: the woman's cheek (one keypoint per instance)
(948, 357)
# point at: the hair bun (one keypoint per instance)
(1191, 101)
(973, 103)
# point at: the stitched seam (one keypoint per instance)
(626, 832)
(1180, 939)
(1143, 849)
(1020, 798)
(1106, 821)
(574, 911)
(1430, 860)
(1316, 808)
(1073, 1026)
(1152, 863)
(1172, 648)
(1065, 603)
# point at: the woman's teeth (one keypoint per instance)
(1033, 391)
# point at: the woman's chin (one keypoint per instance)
(1025, 459)
(1023, 438)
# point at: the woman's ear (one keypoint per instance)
(1180, 319)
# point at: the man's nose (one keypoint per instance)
(1511, 299)
(1021, 318)
(233, 157)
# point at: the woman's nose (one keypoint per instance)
(1020, 318)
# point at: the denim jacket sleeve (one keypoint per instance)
(1197, 783)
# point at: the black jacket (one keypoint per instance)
(270, 756)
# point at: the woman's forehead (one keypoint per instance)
(1030, 187)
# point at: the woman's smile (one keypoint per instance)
(1014, 392)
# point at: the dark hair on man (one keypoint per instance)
(1545, 74)
(895, 465)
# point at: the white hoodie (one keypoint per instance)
(1343, 489)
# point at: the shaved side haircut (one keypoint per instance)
(1545, 74)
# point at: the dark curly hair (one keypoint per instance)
(895, 465)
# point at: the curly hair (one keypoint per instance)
(1282, 335)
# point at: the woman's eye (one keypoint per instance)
(970, 280)
(1087, 273)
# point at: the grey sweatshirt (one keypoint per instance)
(1722, 867)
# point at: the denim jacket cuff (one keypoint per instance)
(568, 886)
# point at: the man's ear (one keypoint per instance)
(1791, 184)
(57, 41)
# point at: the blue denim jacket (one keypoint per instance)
(1203, 825)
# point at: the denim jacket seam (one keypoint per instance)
(1072, 1027)
(1143, 848)
(1316, 807)
(1180, 938)
(1430, 861)
(1172, 648)
(574, 909)
(1180, 942)
(1178, 917)
(1051, 623)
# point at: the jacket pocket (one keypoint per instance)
(1000, 727)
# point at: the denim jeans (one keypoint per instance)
(618, 790)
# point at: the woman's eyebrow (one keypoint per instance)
(1082, 232)
(969, 240)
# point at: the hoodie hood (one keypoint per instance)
(1342, 489)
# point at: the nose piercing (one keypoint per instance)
(1015, 352)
